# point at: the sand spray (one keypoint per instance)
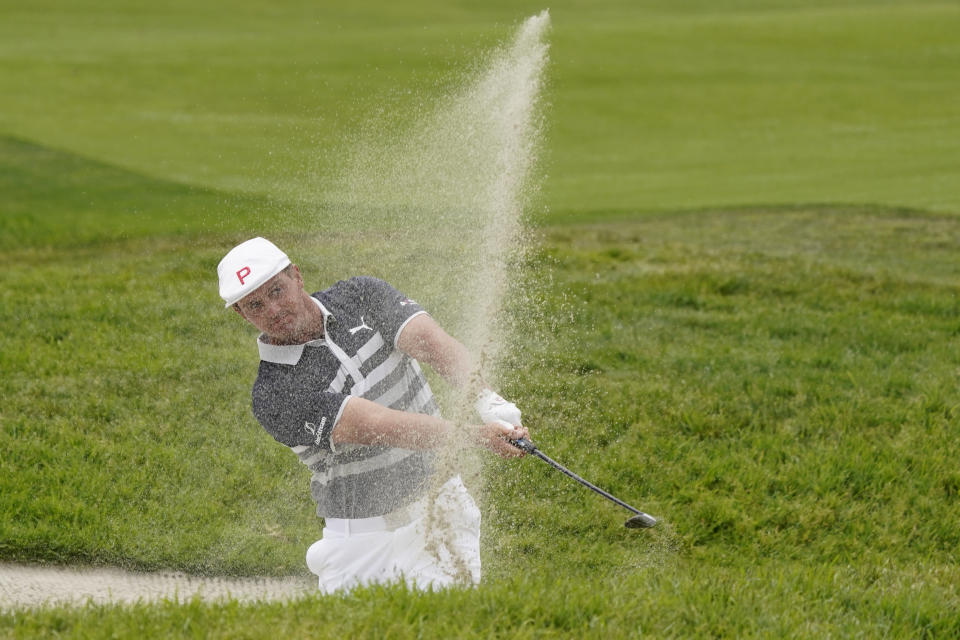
(447, 198)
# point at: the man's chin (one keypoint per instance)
(287, 337)
(283, 328)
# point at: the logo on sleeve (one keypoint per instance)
(407, 301)
(314, 430)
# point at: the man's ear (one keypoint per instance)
(236, 308)
(298, 277)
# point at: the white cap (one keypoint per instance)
(247, 267)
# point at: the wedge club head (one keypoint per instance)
(640, 521)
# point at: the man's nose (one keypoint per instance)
(273, 308)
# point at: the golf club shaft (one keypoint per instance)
(559, 467)
(530, 448)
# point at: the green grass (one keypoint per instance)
(778, 382)
(655, 105)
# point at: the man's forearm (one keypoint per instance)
(367, 423)
(454, 363)
(426, 341)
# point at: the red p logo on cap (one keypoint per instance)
(248, 266)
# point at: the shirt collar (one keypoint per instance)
(291, 353)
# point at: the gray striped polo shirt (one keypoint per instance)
(301, 391)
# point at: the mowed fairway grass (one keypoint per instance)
(777, 381)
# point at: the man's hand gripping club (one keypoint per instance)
(502, 424)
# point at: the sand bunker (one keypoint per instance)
(31, 586)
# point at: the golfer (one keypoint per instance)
(340, 383)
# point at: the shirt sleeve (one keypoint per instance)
(389, 310)
(293, 416)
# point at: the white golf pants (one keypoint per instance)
(438, 546)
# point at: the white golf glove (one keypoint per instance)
(493, 408)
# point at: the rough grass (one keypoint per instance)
(777, 385)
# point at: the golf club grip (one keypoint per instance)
(524, 445)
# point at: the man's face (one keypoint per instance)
(281, 308)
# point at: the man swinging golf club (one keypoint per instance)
(341, 385)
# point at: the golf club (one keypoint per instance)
(640, 521)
